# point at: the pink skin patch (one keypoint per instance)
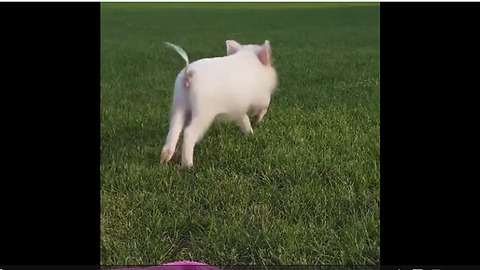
(187, 79)
(166, 156)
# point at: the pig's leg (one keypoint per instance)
(260, 111)
(180, 112)
(244, 123)
(259, 115)
(193, 133)
(176, 125)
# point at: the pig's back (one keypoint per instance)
(231, 83)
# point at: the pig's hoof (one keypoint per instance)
(166, 155)
(187, 164)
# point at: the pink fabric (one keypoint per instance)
(185, 263)
(182, 265)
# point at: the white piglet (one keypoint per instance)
(220, 87)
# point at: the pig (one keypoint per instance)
(227, 87)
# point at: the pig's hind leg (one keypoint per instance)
(180, 117)
(193, 133)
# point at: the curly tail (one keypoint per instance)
(183, 54)
(180, 51)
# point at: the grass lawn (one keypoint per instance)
(303, 189)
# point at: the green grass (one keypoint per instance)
(303, 189)
(232, 5)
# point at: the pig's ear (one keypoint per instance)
(264, 55)
(232, 46)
